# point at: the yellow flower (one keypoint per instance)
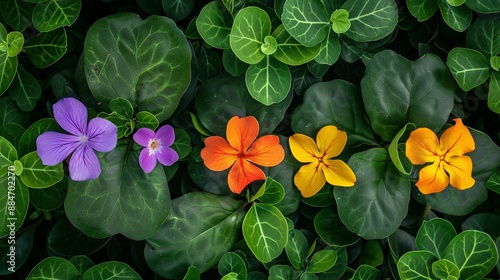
(321, 168)
(446, 155)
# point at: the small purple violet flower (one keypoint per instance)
(156, 146)
(99, 134)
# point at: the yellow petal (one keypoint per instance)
(331, 141)
(460, 171)
(308, 180)
(457, 140)
(242, 132)
(422, 146)
(303, 148)
(432, 179)
(338, 173)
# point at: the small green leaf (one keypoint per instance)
(122, 107)
(296, 248)
(9, 66)
(8, 154)
(232, 263)
(494, 92)
(54, 268)
(18, 167)
(493, 182)
(25, 90)
(290, 51)
(469, 67)
(371, 254)
(455, 3)
(271, 192)
(321, 261)
(111, 270)
(193, 273)
(416, 265)
(495, 62)
(182, 143)
(445, 269)
(306, 21)
(46, 48)
(268, 81)
(458, 18)
(366, 272)
(434, 236)
(283, 272)
(15, 42)
(340, 21)
(397, 156)
(146, 119)
(214, 25)
(198, 125)
(52, 14)
(269, 46)
(37, 175)
(422, 9)
(230, 276)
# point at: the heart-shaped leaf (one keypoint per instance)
(306, 21)
(51, 14)
(37, 175)
(469, 67)
(15, 42)
(46, 48)
(268, 81)
(458, 18)
(340, 21)
(111, 269)
(122, 108)
(435, 235)
(214, 25)
(54, 268)
(25, 90)
(422, 9)
(158, 74)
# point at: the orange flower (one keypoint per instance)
(240, 150)
(449, 165)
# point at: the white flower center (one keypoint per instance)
(154, 146)
(83, 139)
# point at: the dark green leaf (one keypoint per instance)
(283, 272)
(268, 81)
(321, 261)
(371, 254)
(82, 263)
(214, 25)
(17, 14)
(146, 119)
(111, 270)
(493, 182)
(232, 64)
(209, 64)
(232, 262)
(330, 49)
(484, 35)
(302, 79)
(25, 90)
(416, 264)
(458, 18)
(307, 21)
(37, 175)
(296, 248)
(338, 270)
(494, 92)
(54, 268)
(48, 199)
(24, 245)
(9, 67)
(290, 51)
(469, 67)
(331, 229)
(12, 132)
(271, 192)
(46, 48)
(10, 113)
(14, 198)
(122, 108)
(434, 236)
(52, 14)
(177, 9)
(27, 143)
(366, 272)
(483, 6)
(422, 9)
(8, 154)
(182, 144)
(485, 222)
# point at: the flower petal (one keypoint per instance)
(330, 141)
(218, 155)
(166, 135)
(308, 180)
(422, 146)
(84, 164)
(338, 173)
(54, 147)
(147, 162)
(303, 148)
(102, 135)
(71, 115)
(266, 151)
(432, 178)
(242, 132)
(460, 170)
(457, 140)
(243, 173)
(143, 135)
(167, 156)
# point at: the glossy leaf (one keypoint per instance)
(302, 79)
(111, 270)
(24, 245)
(177, 9)
(434, 236)
(290, 51)
(54, 268)
(268, 81)
(296, 248)
(209, 64)
(458, 18)
(10, 113)
(494, 92)
(121, 107)
(469, 67)
(192, 274)
(214, 25)
(416, 264)
(107, 198)
(47, 48)
(485, 222)
(340, 21)
(306, 21)
(321, 261)
(48, 199)
(381, 195)
(265, 231)
(445, 269)
(398, 157)
(283, 272)
(330, 49)
(232, 262)
(371, 254)
(17, 14)
(82, 263)
(493, 182)
(12, 132)
(483, 6)
(9, 67)
(15, 42)
(52, 14)
(271, 192)
(27, 143)
(112, 43)
(422, 9)
(418, 92)
(14, 198)
(182, 143)
(8, 154)
(331, 229)
(366, 272)
(37, 175)
(232, 64)
(146, 119)
(25, 90)
(198, 237)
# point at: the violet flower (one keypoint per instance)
(80, 143)
(156, 147)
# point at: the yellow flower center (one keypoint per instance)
(154, 146)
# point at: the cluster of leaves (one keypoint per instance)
(376, 69)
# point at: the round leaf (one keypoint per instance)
(37, 175)
(46, 48)
(469, 67)
(182, 144)
(458, 18)
(48, 199)
(306, 21)
(268, 81)
(214, 25)
(321, 261)
(331, 229)
(158, 74)
(366, 272)
(422, 9)
(146, 119)
(52, 14)
(290, 51)
(445, 269)
(416, 264)
(15, 41)
(434, 236)
(111, 270)
(54, 268)
(340, 21)
(12, 132)
(121, 107)
(271, 192)
(484, 35)
(232, 262)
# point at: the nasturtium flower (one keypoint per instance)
(321, 168)
(241, 151)
(99, 134)
(156, 147)
(449, 165)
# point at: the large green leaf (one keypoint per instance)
(458, 18)
(331, 229)
(177, 9)
(306, 21)
(14, 198)
(251, 25)
(336, 102)
(46, 48)
(9, 67)
(371, 20)
(376, 205)
(290, 51)
(17, 14)
(52, 14)
(484, 35)
(268, 81)
(8, 154)
(153, 76)
(214, 24)
(397, 91)
(48, 199)
(111, 201)
(485, 222)
(12, 132)
(416, 265)
(265, 231)
(54, 268)
(25, 90)
(37, 175)
(494, 92)
(469, 67)
(474, 253)
(111, 270)
(198, 237)
(435, 235)
(483, 6)
(422, 9)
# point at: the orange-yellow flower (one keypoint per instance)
(449, 165)
(240, 151)
(321, 168)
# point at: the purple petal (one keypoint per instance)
(102, 135)
(54, 147)
(143, 135)
(84, 164)
(167, 156)
(71, 115)
(166, 135)
(146, 161)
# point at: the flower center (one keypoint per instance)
(83, 139)
(154, 146)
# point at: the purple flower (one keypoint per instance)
(156, 146)
(82, 140)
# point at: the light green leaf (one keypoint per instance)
(54, 268)
(330, 49)
(265, 231)
(193, 273)
(340, 21)
(37, 175)
(46, 48)
(455, 3)
(177, 9)
(493, 182)
(122, 107)
(469, 67)
(268, 81)
(271, 192)
(8, 154)
(445, 269)
(306, 21)
(232, 263)
(111, 270)
(52, 14)
(321, 261)
(366, 272)
(494, 92)
(422, 9)
(269, 45)
(290, 51)
(251, 25)
(146, 119)
(9, 67)
(416, 265)
(296, 248)
(495, 62)
(25, 90)
(434, 236)
(14, 201)
(214, 25)
(484, 35)
(397, 155)
(15, 42)
(458, 18)
(17, 14)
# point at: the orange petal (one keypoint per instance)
(266, 151)
(242, 132)
(457, 140)
(331, 141)
(460, 171)
(309, 180)
(338, 173)
(243, 173)
(422, 146)
(432, 179)
(218, 155)
(303, 148)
